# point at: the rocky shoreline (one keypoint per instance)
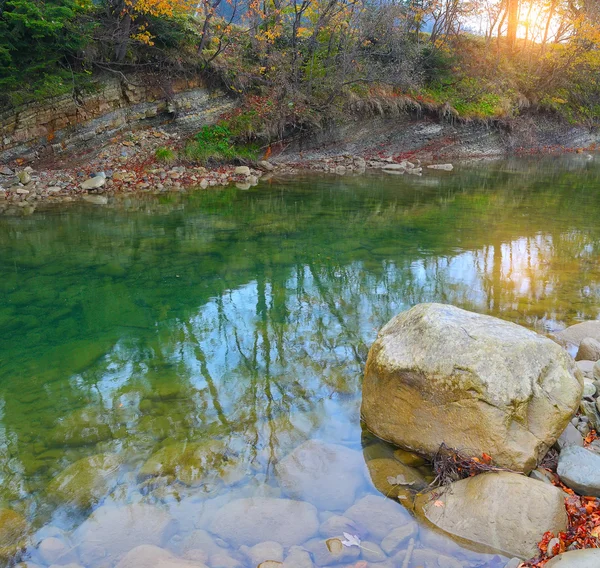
(128, 165)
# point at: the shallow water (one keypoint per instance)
(224, 328)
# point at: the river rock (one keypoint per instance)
(110, 532)
(96, 199)
(298, 558)
(398, 538)
(589, 350)
(589, 558)
(269, 550)
(337, 525)
(395, 167)
(377, 516)
(94, 183)
(327, 475)
(148, 556)
(587, 368)
(596, 371)
(82, 427)
(394, 479)
(255, 520)
(444, 167)
(242, 170)
(575, 334)
(189, 463)
(503, 512)
(570, 437)
(579, 469)
(14, 533)
(438, 374)
(54, 550)
(331, 551)
(85, 482)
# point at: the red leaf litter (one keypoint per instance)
(583, 528)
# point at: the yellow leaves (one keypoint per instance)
(167, 8)
(144, 37)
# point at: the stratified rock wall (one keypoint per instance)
(63, 123)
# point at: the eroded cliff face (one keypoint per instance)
(64, 123)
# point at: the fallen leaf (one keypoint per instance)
(351, 540)
(438, 503)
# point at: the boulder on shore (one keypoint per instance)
(575, 334)
(502, 512)
(438, 374)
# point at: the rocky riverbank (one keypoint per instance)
(128, 165)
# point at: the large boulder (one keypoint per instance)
(438, 374)
(501, 512)
(255, 520)
(327, 475)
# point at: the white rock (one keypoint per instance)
(445, 167)
(242, 170)
(93, 183)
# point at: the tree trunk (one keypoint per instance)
(513, 23)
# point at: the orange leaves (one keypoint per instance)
(583, 530)
(167, 8)
(590, 438)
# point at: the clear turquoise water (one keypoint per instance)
(245, 317)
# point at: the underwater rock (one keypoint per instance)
(326, 475)
(255, 520)
(14, 533)
(377, 516)
(85, 482)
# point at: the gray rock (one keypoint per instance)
(198, 539)
(96, 199)
(589, 388)
(148, 556)
(24, 177)
(589, 350)
(269, 550)
(93, 183)
(254, 520)
(501, 512)
(513, 563)
(111, 532)
(591, 413)
(331, 551)
(372, 552)
(337, 525)
(242, 170)
(399, 538)
(488, 386)
(596, 371)
(427, 559)
(575, 334)
(298, 558)
(327, 475)
(587, 368)
(267, 166)
(5, 171)
(579, 469)
(445, 167)
(377, 516)
(570, 437)
(589, 558)
(53, 550)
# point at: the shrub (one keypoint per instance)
(215, 144)
(165, 155)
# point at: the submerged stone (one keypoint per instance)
(327, 475)
(81, 428)
(149, 556)
(85, 482)
(14, 533)
(377, 516)
(441, 375)
(502, 512)
(110, 532)
(190, 463)
(589, 558)
(255, 520)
